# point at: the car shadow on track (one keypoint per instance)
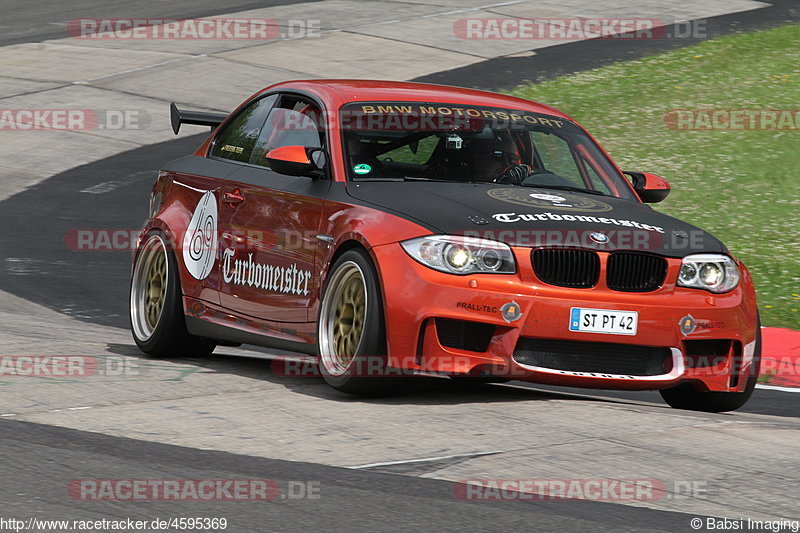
(420, 390)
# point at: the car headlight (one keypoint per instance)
(461, 255)
(712, 272)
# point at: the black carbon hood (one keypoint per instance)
(526, 216)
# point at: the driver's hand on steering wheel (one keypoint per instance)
(515, 174)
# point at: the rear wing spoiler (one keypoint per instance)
(200, 118)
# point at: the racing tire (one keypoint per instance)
(157, 320)
(351, 323)
(684, 397)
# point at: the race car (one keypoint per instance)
(393, 229)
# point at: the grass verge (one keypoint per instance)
(743, 186)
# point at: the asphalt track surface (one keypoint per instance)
(26, 21)
(93, 286)
(568, 58)
(349, 500)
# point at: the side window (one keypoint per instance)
(598, 182)
(556, 156)
(236, 141)
(559, 158)
(293, 122)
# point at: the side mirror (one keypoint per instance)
(650, 188)
(296, 160)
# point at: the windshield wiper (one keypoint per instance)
(564, 188)
(404, 178)
(422, 178)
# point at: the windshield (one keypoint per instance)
(448, 142)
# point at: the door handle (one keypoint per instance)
(234, 197)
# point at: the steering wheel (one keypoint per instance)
(515, 174)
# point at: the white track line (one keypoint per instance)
(777, 388)
(424, 460)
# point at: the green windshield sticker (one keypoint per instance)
(362, 168)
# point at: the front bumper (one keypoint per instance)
(421, 302)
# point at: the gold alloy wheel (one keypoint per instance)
(348, 321)
(149, 287)
(342, 317)
(156, 289)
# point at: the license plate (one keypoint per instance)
(603, 321)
